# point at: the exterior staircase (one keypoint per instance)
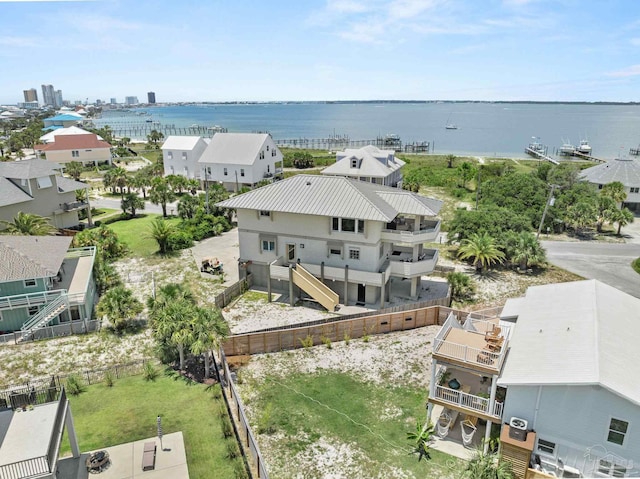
(45, 315)
(315, 288)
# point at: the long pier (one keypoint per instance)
(337, 143)
(540, 154)
(584, 156)
(634, 151)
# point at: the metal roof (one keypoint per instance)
(187, 143)
(71, 130)
(234, 148)
(371, 161)
(334, 196)
(27, 169)
(578, 333)
(624, 170)
(26, 257)
(68, 184)
(10, 193)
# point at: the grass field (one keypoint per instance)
(106, 416)
(135, 233)
(338, 409)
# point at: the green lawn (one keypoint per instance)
(102, 213)
(338, 408)
(107, 416)
(135, 233)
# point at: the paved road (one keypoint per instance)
(606, 262)
(115, 204)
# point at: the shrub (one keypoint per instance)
(265, 420)
(326, 341)
(347, 338)
(74, 385)
(233, 451)
(307, 342)
(150, 373)
(109, 378)
(180, 240)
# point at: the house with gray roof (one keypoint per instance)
(43, 282)
(571, 376)
(38, 187)
(624, 170)
(355, 238)
(368, 164)
(240, 159)
(180, 155)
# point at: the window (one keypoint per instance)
(354, 162)
(172, 170)
(335, 224)
(617, 431)
(335, 250)
(241, 171)
(291, 252)
(267, 147)
(75, 154)
(600, 187)
(184, 155)
(29, 283)
(169, 155)
(208, 170)
(225, 172)
(44, 182)
(354, 253)
(185, 171)
(33, 310)
(262, 155)
(348, 225)
(265, 213)
(381, 250)
(268, 245)
(273, 152)
(611, 468)
(268, 168)
(635, 189)
(360, 226)
(546, 447)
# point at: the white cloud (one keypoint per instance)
(18, 42)
(347, 6)
(631, 71)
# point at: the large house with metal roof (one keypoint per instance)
(43, 282)
(368, 164)
(62, 120)
(37, 187)
(180, 155)
(624, 170)
(240, 159)
(82, 148)
(352, 237)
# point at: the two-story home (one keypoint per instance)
(72, 130)
(572, 377)
(353, 237)
(368, 164)
(43, 282)
(37, 187)
(624, 170)
(240, 159)
(180, 155)
(83, 148)
(62, 120)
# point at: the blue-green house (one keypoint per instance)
(43, 282)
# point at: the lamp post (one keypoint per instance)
(550, 201)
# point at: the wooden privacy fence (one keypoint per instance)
(292, 338)
(233, 291)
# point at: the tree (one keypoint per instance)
(420, 439)
(187, 206)
(154, 137)
(142, 180)
(496, 221)
(487, 466)
(119, 306)
(209, 330)
(481, 249)
(74, 170)
(450, 160)
(105, 240)
(29, 224)
(525, 249)
(172, 326)
(161, 194)
(105, 274)
(623, 217)
(615, 191)
(581, 215)
(177, 183)
(120, 179)
(130, 203)
(161, 232)
(462, 286)
(606, 208)
(467, 171)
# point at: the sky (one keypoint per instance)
(278, 50)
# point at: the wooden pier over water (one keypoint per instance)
(340, 143)
(540, 152)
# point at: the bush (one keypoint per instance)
(180, 240)
(307, 342)
(109, 378)
(74, 385)
(150, 373)
(265, 420)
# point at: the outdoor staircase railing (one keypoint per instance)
(45, 315)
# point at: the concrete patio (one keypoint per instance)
(126, 461)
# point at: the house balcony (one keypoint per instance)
(280, 271)
(401, 263)
(74, 206)
(409, 233)
(474, 349)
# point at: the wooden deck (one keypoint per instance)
(469, 349)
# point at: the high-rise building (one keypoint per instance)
(131, 100)
(30, 95)
(48, 95)
(57, 99)
(151, 97)
(113, 101)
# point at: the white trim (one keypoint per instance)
(35, 283)
(624, 434)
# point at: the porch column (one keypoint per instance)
(346, 284)
(492, 392)
(487, 437)
(89, 219)
(291, 298)
(71, 432)
(269, 282)
(414, 286)
(322, 271)
(382, 291)
(432, 388)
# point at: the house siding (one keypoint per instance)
(178, 163)
(85, 155)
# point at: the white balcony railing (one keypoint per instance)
(469, 354)
(427, 233)
(409, 269)
(468, 401)
(30, 299)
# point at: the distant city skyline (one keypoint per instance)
(530, 50)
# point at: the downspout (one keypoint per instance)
(535, 412)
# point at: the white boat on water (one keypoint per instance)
(584, 147)
(567, 148)
(451, 126)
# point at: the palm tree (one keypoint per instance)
(487, 466)
(28, 224)
(462, 286)
(527, 250)
(209, 330)
(141, 180)
(177, 183)
(450, 159)
(161, 194)
(154, 137)
(169, 293)
(482, 249)
(119, 306)
(420, 440)
(74, 170)
(172, 326)
(120, 178)
(161, 232)
(623, 217)
(615, 191)
(187, 206)
(606, 207)
(581, 215)
(130, 203)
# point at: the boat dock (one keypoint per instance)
(634, 151)
(342, 142)
(585, 156)
(540, 152)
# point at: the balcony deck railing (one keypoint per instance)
(33, 467)
(427, 232)
(468, 401)
(75, 205)
(469, 354)
(408, 269)
(30, 299)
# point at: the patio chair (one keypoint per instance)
(468, 430)
(444, 423)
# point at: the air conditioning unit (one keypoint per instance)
(518, 429)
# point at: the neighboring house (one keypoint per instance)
(43, 282)
(240, 159)
(63, 120)
(624, 170)
(72, 130)
(357, 237)
(37, 187)
(572, 375)
(368, 164)
(83, 148)
(180, 155)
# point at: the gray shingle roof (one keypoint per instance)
(68, 184)
(26, 257)
(579, 333)
(233, 148)
(334, 196)
(626, 171)
(10, 194)
(27, 169)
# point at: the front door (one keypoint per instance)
(361, 293)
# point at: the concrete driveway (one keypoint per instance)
(224, 247)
